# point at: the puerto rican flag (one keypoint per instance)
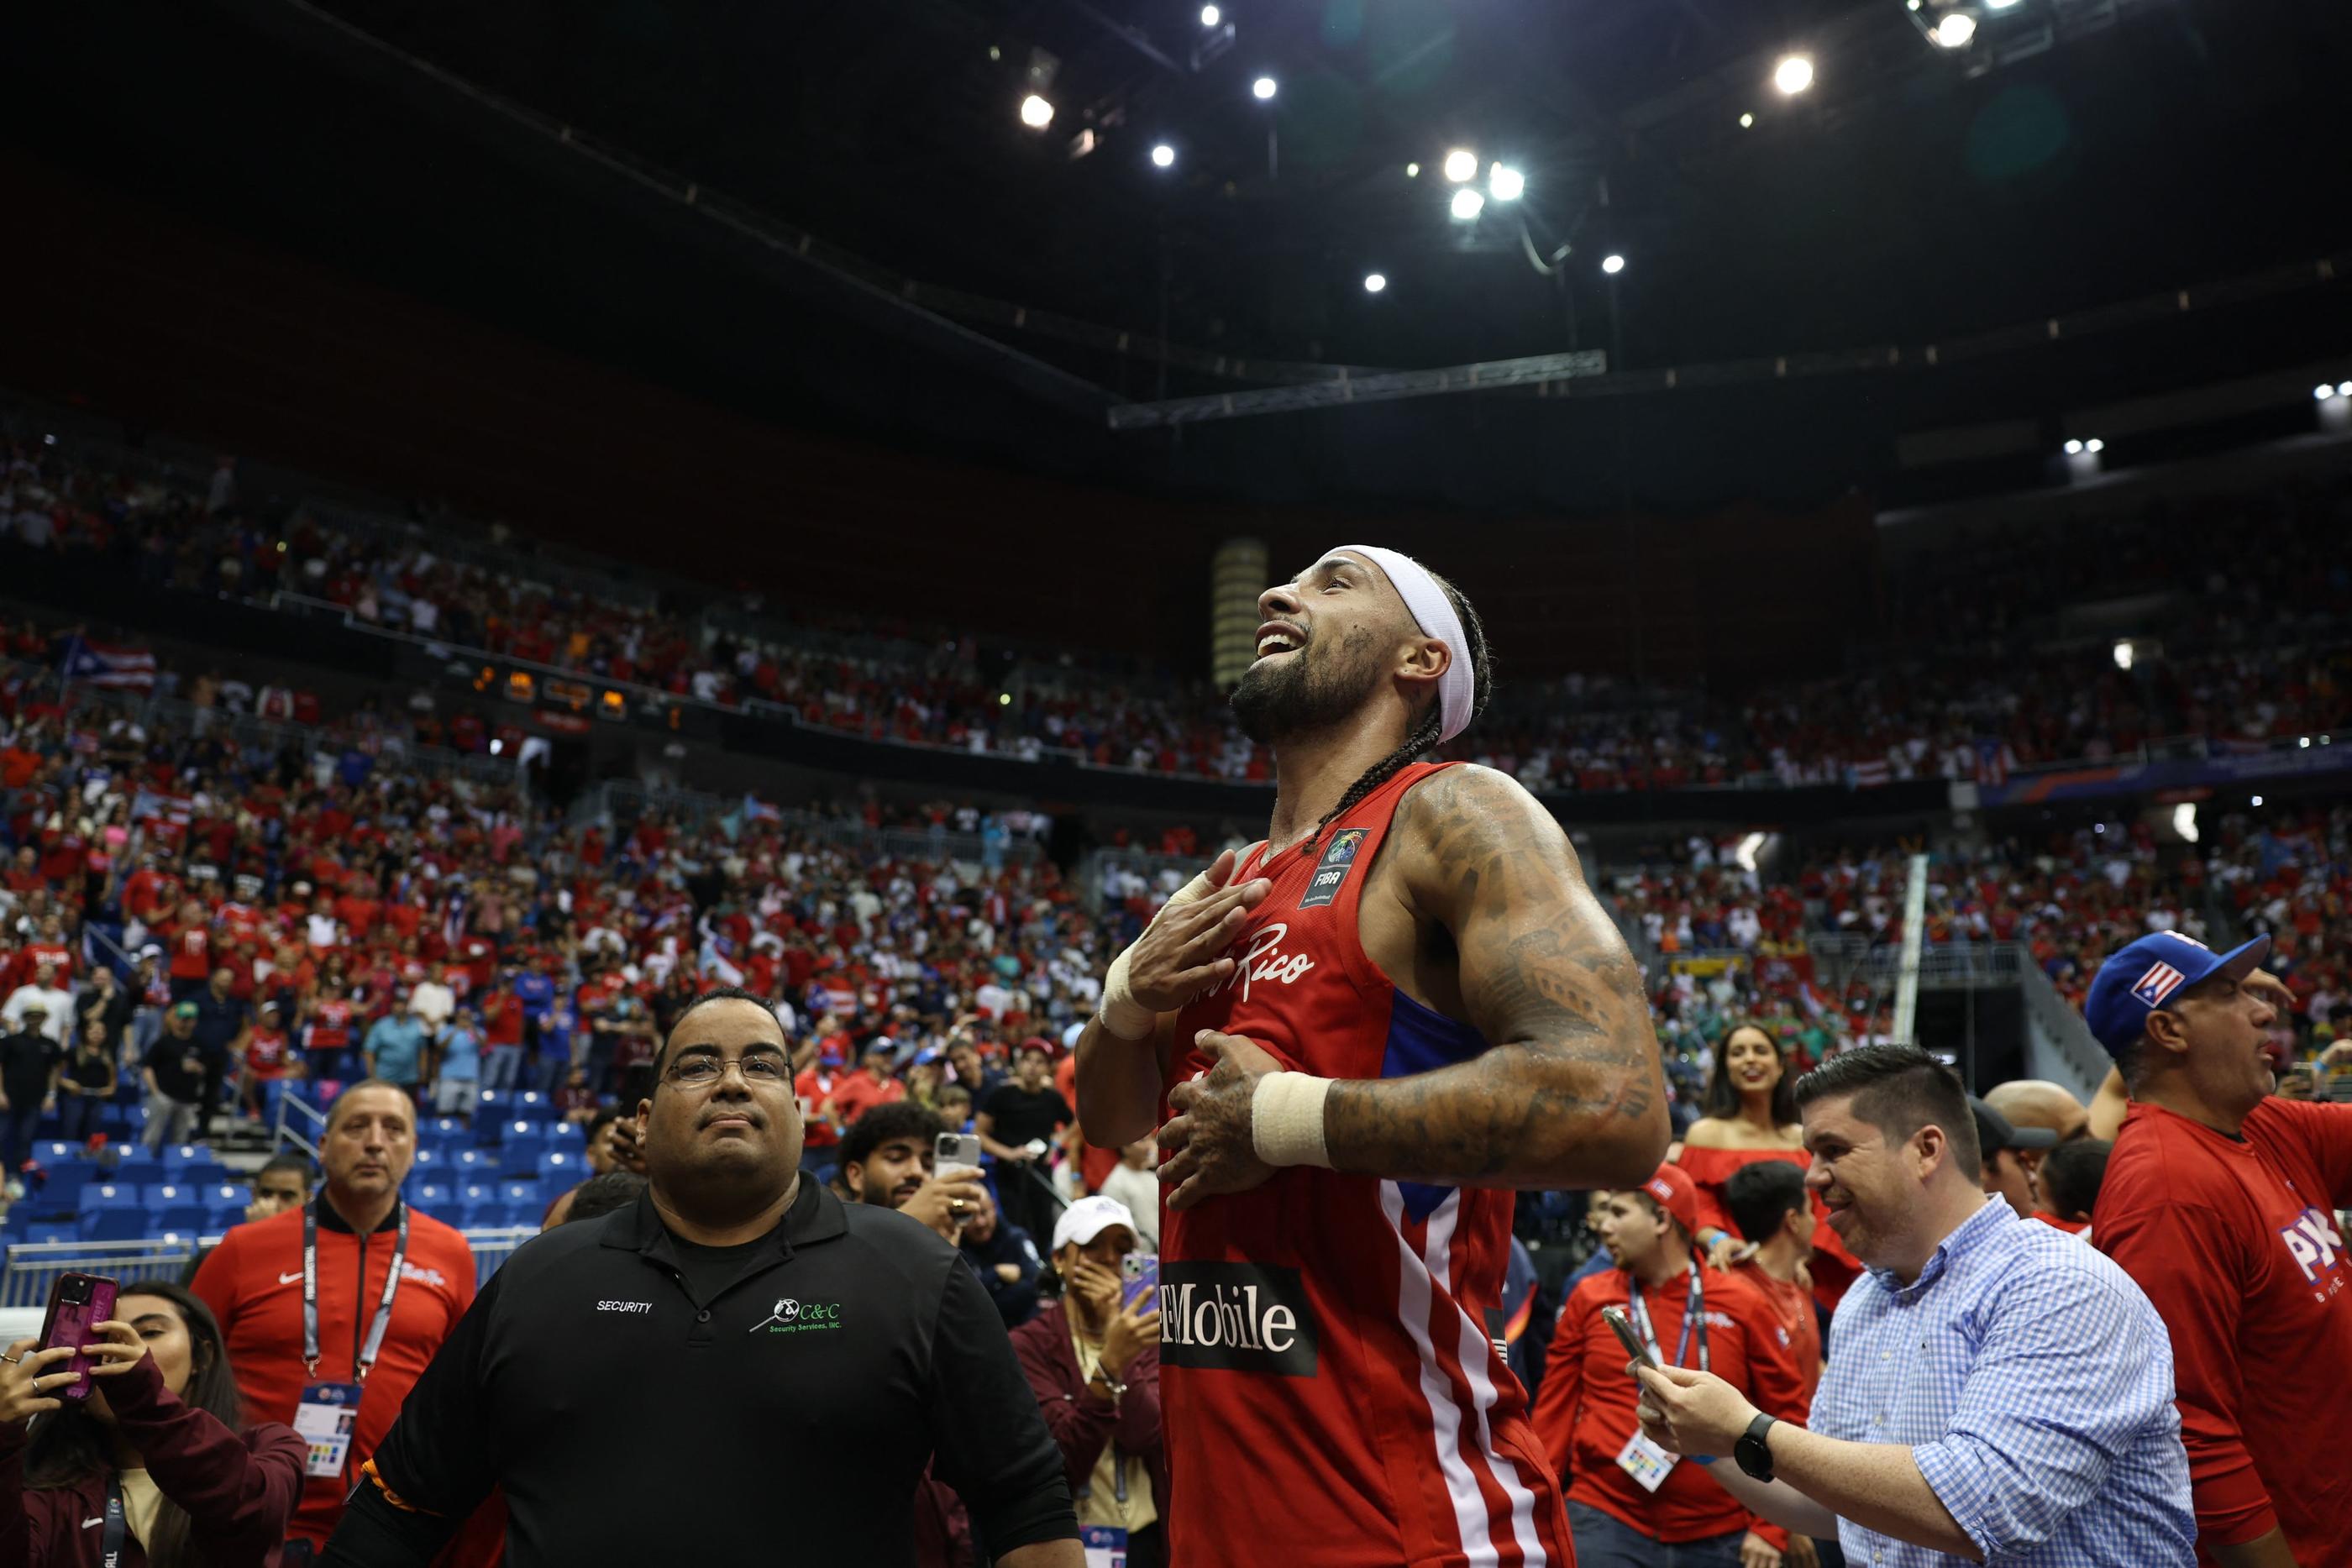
(1994, 760)
(1870, 774)
(107, 664)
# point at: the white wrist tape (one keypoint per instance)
(1122, 1016)
(1287, 1119)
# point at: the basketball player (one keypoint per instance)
(1370, 1028)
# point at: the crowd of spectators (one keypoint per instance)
(2251, 657)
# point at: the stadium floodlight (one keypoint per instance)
(2322, 392)
(1468, 203)
(2184, 821)
(1035, 113)
(1374, 282)
(1506, 184)
(1412, 171)
(2343, 389)
(2095, 446)
(2123, 654)
(2258, 799)
(1163, 155)
(2073, 449)
(1211, 15)
(1794, 74)
(1955, 29)
(1999, 4)
(1747, 122)
(1461, 165)
(1613, 263)
(1263, 88)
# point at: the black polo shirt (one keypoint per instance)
(636, 1412)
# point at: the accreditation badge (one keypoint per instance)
(324, 1420)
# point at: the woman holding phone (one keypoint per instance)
(1093, 1360)
(156, 1450)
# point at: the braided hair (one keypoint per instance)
(1427, 734)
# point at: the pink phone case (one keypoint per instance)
(75, 1322)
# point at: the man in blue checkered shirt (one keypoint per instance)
(1996, 1392)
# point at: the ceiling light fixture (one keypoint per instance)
(1794, 74)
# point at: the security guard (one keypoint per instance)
(737, 1368)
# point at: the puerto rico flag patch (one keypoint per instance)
(1332, 869)
(2160, 981)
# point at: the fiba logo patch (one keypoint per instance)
(1332, 869)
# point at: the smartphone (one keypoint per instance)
(1140, 1271)
(77, 1304)
(1616, 1319)
(954, 1151)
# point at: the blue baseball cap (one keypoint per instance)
(2137, 979)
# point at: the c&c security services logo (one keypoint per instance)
(790, 1316)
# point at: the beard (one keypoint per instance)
(1309, 690)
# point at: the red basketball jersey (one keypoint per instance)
(1333, 1379)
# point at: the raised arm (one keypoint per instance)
(1569, 1094)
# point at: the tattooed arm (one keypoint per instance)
(1570, 1093)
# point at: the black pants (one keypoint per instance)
(1026, 1197)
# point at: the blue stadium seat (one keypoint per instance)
(224, 1194)
(530, 1105)
(429, 1160)
(432, 1197)
(116, 1224)
(62, 1183)
(48, 1232)
(192, 1159)
(137, 1170)
(519, 1192)
(184, 1218)
(53, 1153)
(568, 1164)
(566, 1135)
(492, 1105)
(111, 1194)
(163, 1195)
(445, 1130)
(522, 1155)
(467, 1164)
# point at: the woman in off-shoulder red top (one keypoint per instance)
(1752, 1114)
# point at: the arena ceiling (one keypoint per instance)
(2078, 153)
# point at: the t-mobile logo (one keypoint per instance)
(1235, 1316)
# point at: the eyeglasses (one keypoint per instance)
(702, 1071)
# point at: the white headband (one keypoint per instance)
(1433, 613)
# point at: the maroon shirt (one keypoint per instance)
(238, 1488)
(1081, 1424)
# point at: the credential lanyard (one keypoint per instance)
(374, 1341)
(1693, 1312)
(109, 1550)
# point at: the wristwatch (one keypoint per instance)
(1750, 1453)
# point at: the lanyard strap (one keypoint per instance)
(1693, 1312)
(366, 1357)
(109, 1550)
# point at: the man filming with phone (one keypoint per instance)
(1629, 1502)
(889, 1159)
(1996, 1392)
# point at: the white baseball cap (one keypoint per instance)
(1090, 1217)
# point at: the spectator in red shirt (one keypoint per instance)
(1622, 1497)
(869, 1085)
(2219, 1200)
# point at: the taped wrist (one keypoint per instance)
(1287, 1119)
(1121, 1015)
